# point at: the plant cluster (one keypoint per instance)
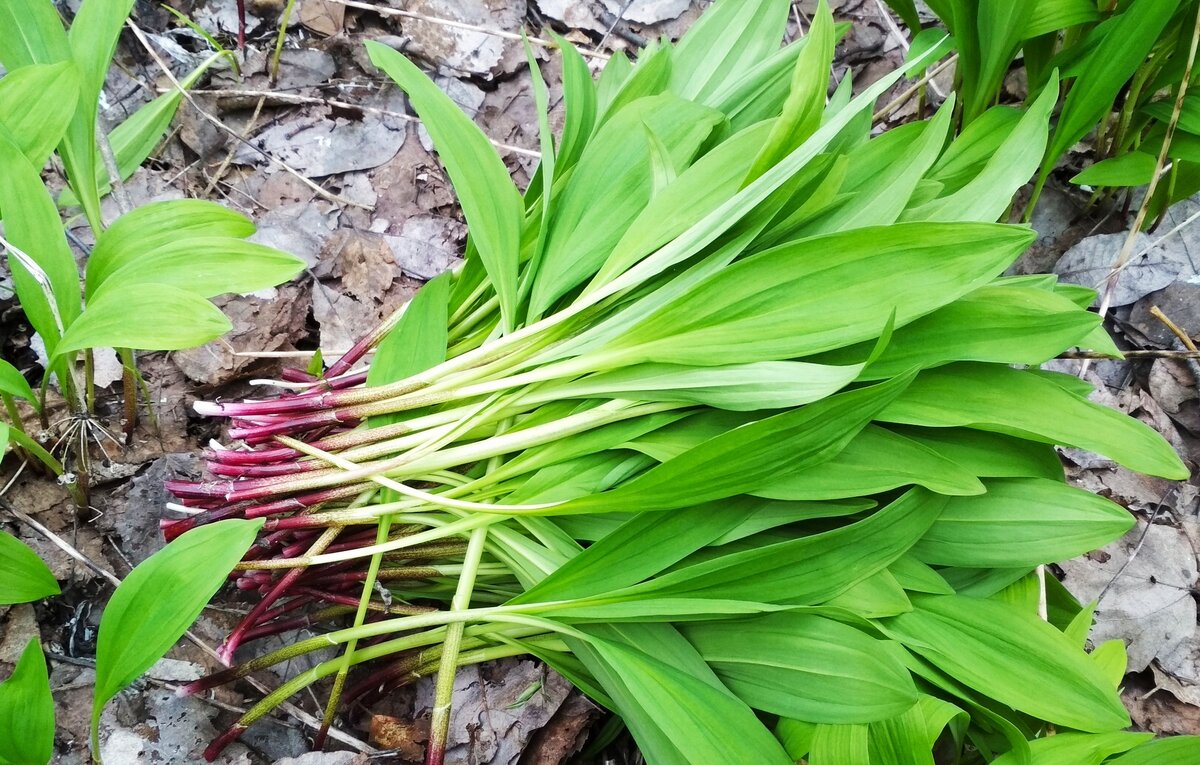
(150, 274)
(730, 418)
(1122, 63)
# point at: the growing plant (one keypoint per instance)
(1122, 65)
(151, 273)
(729, 418)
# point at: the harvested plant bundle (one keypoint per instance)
(730, 418)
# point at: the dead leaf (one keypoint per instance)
(1174, 388)
(322, 17)
(427, 245)
(407, 737)
(1090, 262)
(1149, 602)
(466, 50)
(647, 11)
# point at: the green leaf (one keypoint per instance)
(931, 44)
(1176, 750)
(805, 103)
(31, 33)
(738, 387)
(676, 718)
(807, 667)
(153, 226)
(876, 460)
(36, 105)
(1004, 323)
(903, 739)
(1012, 657)
(151, 318)
(989, 193)
(907, 11)
(807, 570)
(989, 455)
(1001, 28)
(1030, 405)
(490, 202)
(743, 459)
(32, 224)
(840, 745)
(203, 266)
(23, 576)
(1080, 748)
(160, 599)
(419, 341)
(728, 40)
(1052, 15)
(579, 104)
(969, 153)
(822, 293)
(1021, 522)
(27, 711)
(14, 383)
(1133, 169)
(1106, 70)
(610, 187)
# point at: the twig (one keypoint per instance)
(894, 30)
(323, 193)
(294, 98)
(1175, 330)
(460, 25)
(1180, 355)
(916, 88)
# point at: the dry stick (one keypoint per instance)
(1175, 330)
(894, 30)
(1090, 355)
(901, 99)
(461, 25)
(293, 98)
(1123, 257)
(323, 193)
(225, 163)
(115, 581)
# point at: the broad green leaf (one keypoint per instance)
(806, 570)
(989, 455)
(1189, 116)
(931, 44)
(738, 387)
(876, 596)
(649, 77)
(1176, 750)
(1002, 25)
(822, 293)
(728, 40)
(1113, 661)
(805, 103)
(3, 439)
(676, 718)
(156, 225)
(641, 547)
(743, 459)
(989, 193)
(490, 202)
(610, 186)
(1021, 522)
(1052, 15)
(1106, 70)
(150, 318)
(93, 39)
(36, 105)
(969, 153)
(1002, 323)
(203, 266)
(876, 460)
(915, 576)
(903, 739)
(27, 711)
(1080, 748)
(14, 383)
(1132, 169)
(31, 223)
(579, 104)
(1029, 405)
(418, 342)
(888, 184)
(1012, 657)
(159, 600)
(807, 667)
(840, 745)
(23, 576)
(31, 33)
(703, 186)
